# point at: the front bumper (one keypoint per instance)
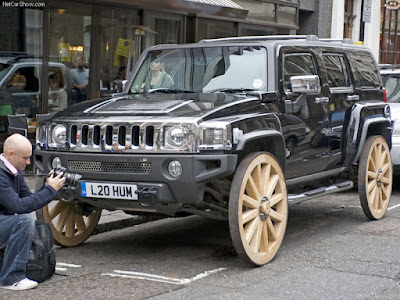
(186, 189)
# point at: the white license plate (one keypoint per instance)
(109, 190)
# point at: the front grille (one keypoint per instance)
(114, 137)
(101, 166)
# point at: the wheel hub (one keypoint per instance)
(379, 175)
(264, 208)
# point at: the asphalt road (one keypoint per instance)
(330, 251)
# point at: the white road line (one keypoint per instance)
(393, 207)
(61, 269)
(158, 278)
(68, 265)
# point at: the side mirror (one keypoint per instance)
(305, 84)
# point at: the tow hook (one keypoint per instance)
(147, 196)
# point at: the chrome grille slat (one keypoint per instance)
(101, 166)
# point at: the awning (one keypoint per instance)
(225, 8)
(222, 8)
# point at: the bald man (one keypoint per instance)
(17, 225)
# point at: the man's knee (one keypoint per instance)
(25, 222)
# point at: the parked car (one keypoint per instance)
(202, 129)
(391, 81)
(21, 87)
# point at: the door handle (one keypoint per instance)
(352, 97)
(321, 99)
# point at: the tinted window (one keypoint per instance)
(297, 64)
(392, 86)
(336, 69)
(365, 71)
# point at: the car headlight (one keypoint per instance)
(177, 136)
(59, 135)
(215, 136)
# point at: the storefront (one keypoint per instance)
(390, 29)
(70, 51)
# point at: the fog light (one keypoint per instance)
(175, 168)
(56, 162)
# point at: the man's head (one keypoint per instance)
(17, 149)
(80, 63)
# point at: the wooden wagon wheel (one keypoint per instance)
(258, 208)
(375, 177)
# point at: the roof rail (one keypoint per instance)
(12, 53)
(19, 57)
(259, 38)
(345, 40)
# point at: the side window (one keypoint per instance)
(338, 75)
(365, 71)
(25, 79)
(296, 64)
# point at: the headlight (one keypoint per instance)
(177, 136)
(215, 136)
(59, 135)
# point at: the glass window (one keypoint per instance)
(114, 46)
(168, 28)
(365, 71)
(287, 15)
(297, 64)
(336, 69)
(211, 29)
(69, 40)
(259, 10)
(254, 30)
(203, 69)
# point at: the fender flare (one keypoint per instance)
(278, 141)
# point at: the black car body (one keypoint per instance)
(189, 145)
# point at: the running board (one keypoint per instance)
(322, 191)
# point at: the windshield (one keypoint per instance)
(205, 70)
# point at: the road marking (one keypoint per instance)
(393, 207)
(158, 278)
(68, 265)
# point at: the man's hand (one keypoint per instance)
(56, 182)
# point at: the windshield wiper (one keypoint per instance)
(231, 90)
(168, 91)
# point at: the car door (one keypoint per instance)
(307, 156)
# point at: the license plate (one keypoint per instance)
(109, 190)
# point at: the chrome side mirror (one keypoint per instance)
(305, 84)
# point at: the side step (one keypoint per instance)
(322, 191)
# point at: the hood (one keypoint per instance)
(158, 105)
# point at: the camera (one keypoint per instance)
(70, 178)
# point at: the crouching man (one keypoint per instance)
(17, 225)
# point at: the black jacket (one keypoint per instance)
(15, 196)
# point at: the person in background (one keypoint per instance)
(58, 98)
(17, 225)
(79, 79)
(157, 78)
(16, 84)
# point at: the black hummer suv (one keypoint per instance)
(233, 128)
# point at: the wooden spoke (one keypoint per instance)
(258, 208)
(69, 226)
(375, 177)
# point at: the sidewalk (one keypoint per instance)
(109, 220)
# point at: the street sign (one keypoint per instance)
(366, 16)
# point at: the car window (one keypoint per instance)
(296, 64)
(364, 70)
(392, 86)
(337, 73)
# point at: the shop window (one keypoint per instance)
(116, 26)
(168, 28)
(210, 29)
(69, 41)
